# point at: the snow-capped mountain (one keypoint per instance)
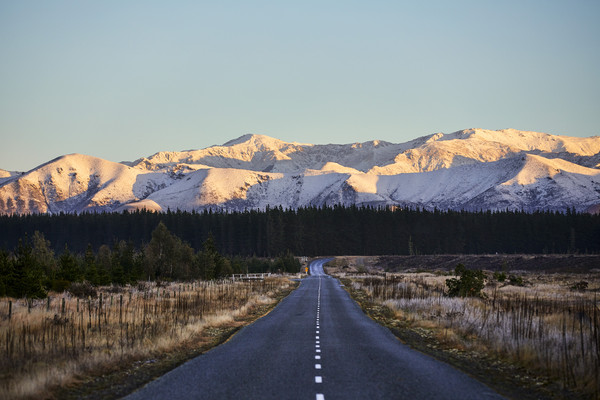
(472, 169)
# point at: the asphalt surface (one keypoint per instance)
(316, 344)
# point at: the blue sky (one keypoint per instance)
(124, 79)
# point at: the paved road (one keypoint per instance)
(316, 344)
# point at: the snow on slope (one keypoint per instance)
(479, 145)
(255, 152)
(146, 204)
(265, 154)
(529, 182)
(5, 176)
(471, 169)
(428, 153)
(76, 183)
(68, 183)
(206, 188)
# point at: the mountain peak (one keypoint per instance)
(470, 169)
(252, 138)
(242, 139)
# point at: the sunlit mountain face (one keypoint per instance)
(473, 169)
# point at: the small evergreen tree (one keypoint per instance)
(29, 276)
(89, 266)
(104, 264)
(44, 256)
(469, 284)
(160, 253)
(8, 278)
(68, 269)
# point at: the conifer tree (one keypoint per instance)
(89, 266)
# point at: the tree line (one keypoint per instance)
(315, 231)
(33, 268)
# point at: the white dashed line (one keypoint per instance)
(318, 379)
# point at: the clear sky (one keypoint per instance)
(124, 79)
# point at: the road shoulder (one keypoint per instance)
(121, 380)
(507, 379)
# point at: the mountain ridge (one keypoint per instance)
(472, 169)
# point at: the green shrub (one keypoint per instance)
(500, 276)
(469, 284)
(515, 280)
(581, 286)
(82, 290)
(60, 285)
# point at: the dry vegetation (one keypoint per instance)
(45, 344)
(550, 325)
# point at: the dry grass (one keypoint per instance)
(45, 345)
(544, 326)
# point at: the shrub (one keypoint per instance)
(60, 285)
(515, 280)
(581, 285)
(83, 290)
(500, 276)
(469, 284)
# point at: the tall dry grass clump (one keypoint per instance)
(48, 343)
(546, 326)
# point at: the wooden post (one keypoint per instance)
(9, 309)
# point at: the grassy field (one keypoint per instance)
(47, 345)
(548, 324)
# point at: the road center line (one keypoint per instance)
(318, 379)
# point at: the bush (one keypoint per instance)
(500, 276)
(82, 290)
(60, 285)
(581, 285)
(515, 280)
(469, 284)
